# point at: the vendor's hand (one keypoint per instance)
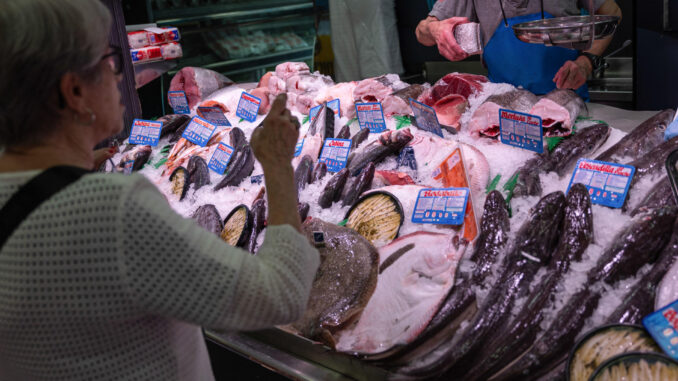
(103, 154)
(573, 74)
(443, 33)
(273, 142)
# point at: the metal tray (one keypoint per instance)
(573, 32)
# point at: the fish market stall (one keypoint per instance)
(518, 265)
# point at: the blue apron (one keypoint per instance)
(531, 66)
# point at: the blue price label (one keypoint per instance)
(521, 130)
(219, 161)
(258, 179)
(425, 117)
(334, 105)
(248, 107)
(298, 147)
(214, 115)
(199, 131)
(145, 132)
(179, 102)
(335, 154)
(129, 166)
(608, 183)
(371, 115)
(663, 327)
(441, 206)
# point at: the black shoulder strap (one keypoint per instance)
(33, 194)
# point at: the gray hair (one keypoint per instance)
(41, 41)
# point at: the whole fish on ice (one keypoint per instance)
(485, 120)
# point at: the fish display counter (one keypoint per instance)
(449, 249)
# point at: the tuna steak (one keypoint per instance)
(416, 273)
(389, 143)
(638, 244)
(559, 110)
(522, 331)
(485, 120)
(344, 283)
(641, 140)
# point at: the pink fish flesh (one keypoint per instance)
(559, 110)
(198, 83)
(453, 83)
(416, 274)
(485, 120)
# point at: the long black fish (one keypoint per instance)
(660, 195)
(527, 177)
(638, 244)
(198, 172)
(653, 162)
(258, 222)
(530, 251)
(389, 143)
(460, 303)
(576, 237)
(319, 171)
(172, 122)
(581, 144)
(359, 138)
(344, 133)
(359, 185)
(303, 174)
(242, 160)
(333, 189)
(641, 140)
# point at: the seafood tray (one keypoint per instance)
(568, 32)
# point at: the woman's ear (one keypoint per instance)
(71, 88)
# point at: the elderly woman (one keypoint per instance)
(103, 280)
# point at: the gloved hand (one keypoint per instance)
(671, 130)
(443, 33)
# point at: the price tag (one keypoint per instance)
(179, 102)
(199, 131)
(248, 107)
(145, 132)
(298, 147)
(129, 167)
(220, 158)
(608, 183)
(663, 327)
(425, 117)
(370, 115)
(521, 130)
(214, 115)
(334, 105)
(441, 206)
(406, 158)
(335, 154)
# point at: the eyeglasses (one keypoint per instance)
(114, 59)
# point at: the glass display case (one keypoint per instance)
(241, 39)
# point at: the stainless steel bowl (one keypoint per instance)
(573, 32)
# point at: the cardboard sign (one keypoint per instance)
(220, 158)
(199, 131)
(213, 115)
(248, 107)
(521, 130)
(334, 105)
(145, 132)
(179, 102)
(451, 173)
(608, 183)
(298, 147)
(129, 167)
(441, 206)
(663, 327)
(371, 115)
(425, 117)
(335, 154)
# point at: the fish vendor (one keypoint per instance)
(537, 68)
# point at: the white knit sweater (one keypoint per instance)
(105, 281)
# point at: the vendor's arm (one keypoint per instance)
(438, 27)
(573, 74)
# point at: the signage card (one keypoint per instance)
(145, 132)
(179, 102)
(214, 115)
(220, 158)
(248, 107)
(371, 115)
(425, 117)
(334, 105)
(199, 131)
(441, 206)
(298, 147)
(663, 327)
(335, 154)
(608, 183)
(521, 130)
